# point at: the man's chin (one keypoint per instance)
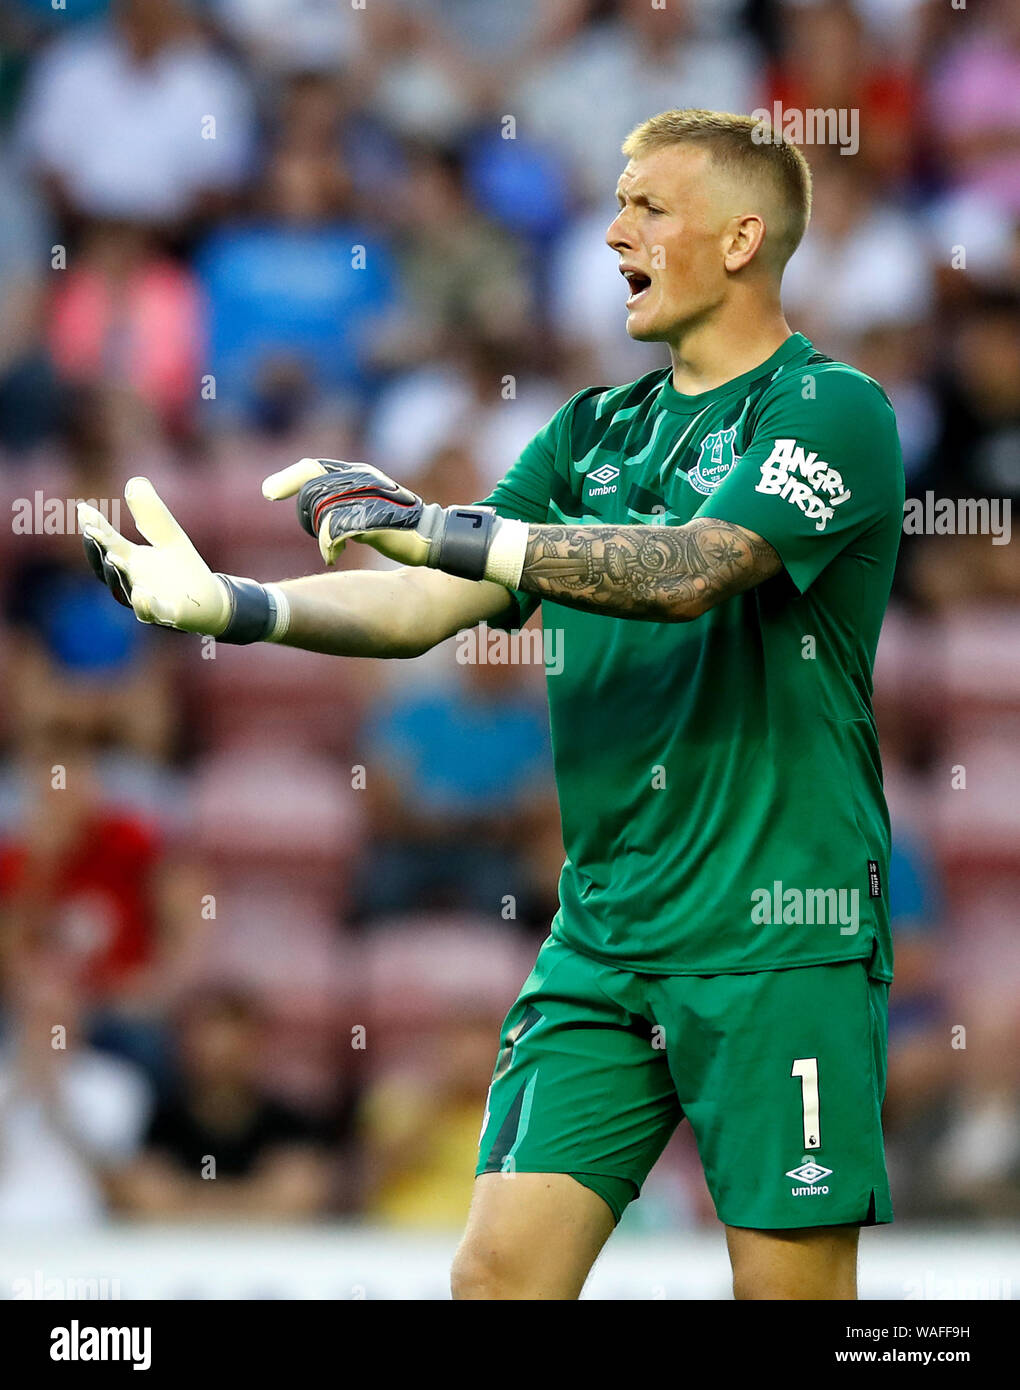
(644, 331)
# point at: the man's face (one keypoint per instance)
(668, 236)
(220, 1048)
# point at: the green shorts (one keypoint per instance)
(780, 1073)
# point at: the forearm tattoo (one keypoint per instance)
(659, 573)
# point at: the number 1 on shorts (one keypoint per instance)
(807, 1069)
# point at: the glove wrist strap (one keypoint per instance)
(474, 543)
(507, 551)
(257, 612)
(464, 541)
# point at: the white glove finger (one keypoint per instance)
(94, 524)
(329, 548)
(142, 602)
(160, 611)
(150, 609)
(290, 480)
(152, 516)
(384, 478)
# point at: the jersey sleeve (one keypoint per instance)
(819, 471)
(523, 495)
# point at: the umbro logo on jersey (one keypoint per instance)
(605, 477)
(809, 1173)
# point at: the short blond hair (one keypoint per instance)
(768, 159)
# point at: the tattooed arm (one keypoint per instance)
(659, 573)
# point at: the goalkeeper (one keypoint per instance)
(716, 541)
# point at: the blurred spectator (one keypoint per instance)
(858, 266)
(974, 104)
(27, 388)
(483, 402)
(138, 117)
(897, 25)
(73, 657)
(498, 34)
(977, 1159)
(434, 992)
(86, 881)
(420, 83)
(521, 184)
(589, 95)
(126, 314)
(889, 352)
(978, 450)
(310, 112)
(974, 242)
(295, 35)
(71, 1118)
(461, 273)
(419, 1123)
(221, 1147)
(454, 778)
(74, 662)
(295, 296)
(919, 1028)
(827, 60)
(976, 454)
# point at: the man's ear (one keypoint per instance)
(744, 239)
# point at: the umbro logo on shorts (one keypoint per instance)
(809, 1173)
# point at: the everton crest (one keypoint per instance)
(714, 462)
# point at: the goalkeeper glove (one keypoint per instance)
(167, 582)
(338, 502)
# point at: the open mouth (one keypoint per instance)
(639, 284)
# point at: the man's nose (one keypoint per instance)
(618, 235)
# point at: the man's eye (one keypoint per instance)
(654, 210)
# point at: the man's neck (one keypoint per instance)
(715, 352)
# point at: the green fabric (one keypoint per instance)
(617, 1193)
(612, 1061)
(705, 767)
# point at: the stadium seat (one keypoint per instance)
(317, 698)
(421, 970)
(272, 808)
(977, 825)
(981, 654)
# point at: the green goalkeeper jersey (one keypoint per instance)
(719, 780)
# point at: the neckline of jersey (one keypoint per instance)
(672, 399)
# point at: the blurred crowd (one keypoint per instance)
(262, 911)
